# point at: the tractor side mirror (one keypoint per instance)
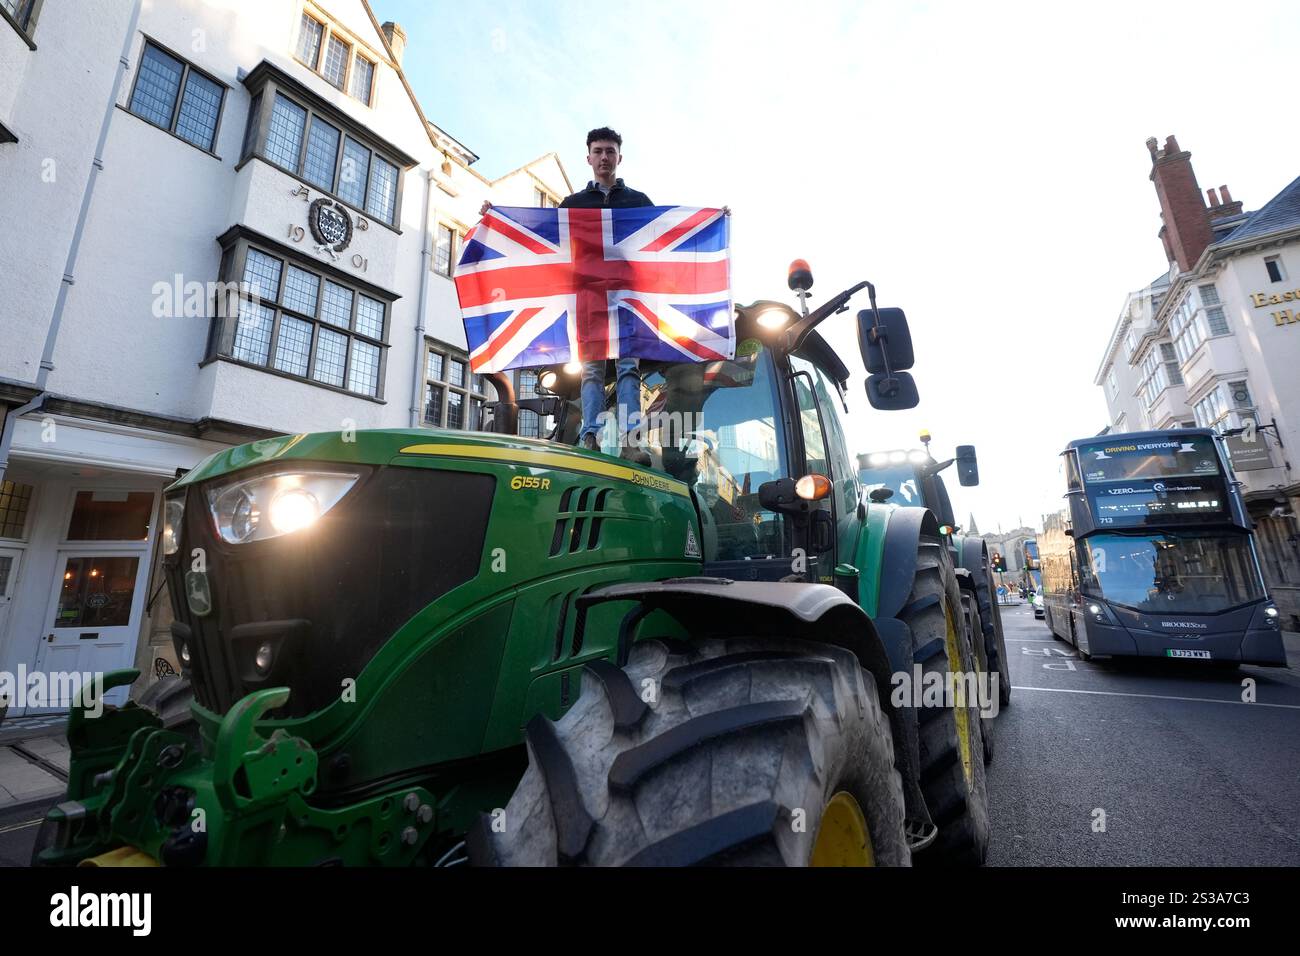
(779, 496)
(892, 393)
(890, 339)
(881, 495)
(968, 469)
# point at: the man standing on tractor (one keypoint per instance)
(604, 153)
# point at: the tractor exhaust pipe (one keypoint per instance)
(505, 412)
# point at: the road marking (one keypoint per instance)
(21, 826)
(1115, 693)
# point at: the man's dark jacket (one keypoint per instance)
(592, 198)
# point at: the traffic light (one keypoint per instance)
(998, 563)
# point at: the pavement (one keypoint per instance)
(33, 760)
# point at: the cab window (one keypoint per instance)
(714, 425)
(838, 467)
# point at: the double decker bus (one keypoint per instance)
(1153, 555)
(1032, 575)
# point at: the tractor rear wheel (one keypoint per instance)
(737, 752)
(951, 742)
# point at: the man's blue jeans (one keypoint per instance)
(628, 392)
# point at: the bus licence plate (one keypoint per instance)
(1179, 652)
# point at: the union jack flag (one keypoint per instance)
(545, 286)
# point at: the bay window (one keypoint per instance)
(293, 129)
(299, 318)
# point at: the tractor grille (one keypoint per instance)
(580, 515)
(328, 598)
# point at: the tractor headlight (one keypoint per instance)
(173, 514)
(271, 505)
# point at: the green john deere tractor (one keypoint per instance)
(912, 478)
(433, 648)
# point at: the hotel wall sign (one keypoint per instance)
(1281, 316)
(331, 226)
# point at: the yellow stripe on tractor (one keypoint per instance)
(563, 461)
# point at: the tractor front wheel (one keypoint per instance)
(738, 752)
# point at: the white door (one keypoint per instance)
(97, 598)
(93, 618)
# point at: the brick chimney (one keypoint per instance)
(1221, 204)
(396, 38)
(1186, 230)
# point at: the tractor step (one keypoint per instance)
(919, 834)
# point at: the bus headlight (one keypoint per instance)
(1101, 613)
(272, 505)
(1270, 616)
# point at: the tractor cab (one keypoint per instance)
(758, 438)
(912, 478)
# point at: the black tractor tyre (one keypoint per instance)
(951, 742)
(975, 628)
(718, 753)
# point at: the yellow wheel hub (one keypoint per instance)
(961, 713)
(843, 838)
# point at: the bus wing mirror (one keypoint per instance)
(890, 339)
(968, 469)
(892, 393)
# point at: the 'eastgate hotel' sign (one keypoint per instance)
(1282, 316)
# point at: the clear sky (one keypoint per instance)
(982, 163)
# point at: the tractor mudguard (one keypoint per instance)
(898, 565)
(721, 607)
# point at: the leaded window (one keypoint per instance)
(363, 78)
(173, 95)
(324, 49)
(335, 66)
(317, 144)
(299, 322)
(453, 398)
